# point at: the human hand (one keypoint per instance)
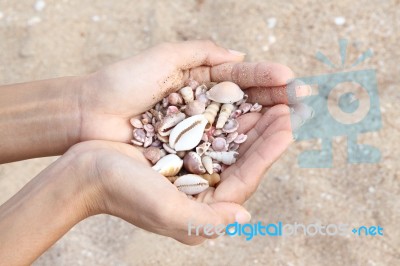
(130, 87)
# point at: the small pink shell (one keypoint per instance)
(235, 114)
(231, 137)
(240, 139)
(256, 108)
(233, 146)
(219, 144)
(149, 128)
(217, 167)
(135, 122)
(231, 126)
(147, 142)
(152, 154)
(195, 108)
(137, 143)
(139, 134)
(175, 99)
(172, 110)
(217, 132)
(193, 84)
(156, 143)
(245, 107)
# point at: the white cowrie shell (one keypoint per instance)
(191, 184)
(188, 133)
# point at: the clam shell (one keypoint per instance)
(187, 134)
(210, 113)
(231, 137)
(169, 122)
(169, 165)
(256, 108)
(187, 94)
(135, 122)
(219, 144)
(172, 110)
(231, 126)
(245, 107)
(191, 184)
(193, 163)
(225, 92)
(208, 164)
(225, 157)
(240, 139)
(175, 99)
(224, 114)
(139, 134)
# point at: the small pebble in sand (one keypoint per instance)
(40, 5)
(340, 21)
(34, 20)
(1, 15)
(271, 22)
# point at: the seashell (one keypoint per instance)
(187, 134)
(245, 97)
(168, 165)
(172, 110)
(225, 92)
(217, 132)
(158, 107)
(156, 143)
(203, 98)
(225, 157)
(231, 126)
(245, 107)
(169, 122)
(212, 179)
(217, 167)
(204, 137)
(191, 184)
(148, 114)
(202, 148)
(193, 84)
(163, 139)
(192, 163)
(137, 143)
(168, 148)
(240, 139)
(235, 114)
(164, 102)
(163, 153)
(139, 134)
(147, 141)
(145, 120)
(152, 154)
(181, 154)
(256, 108)
(187, 94)
(200, 90)
(175, 99)
(219, 144)
(210, 113)
(172, 179)
(135, 122)
(148, 128)
(224, 114)
(156, 114)
(208, 164)
(233, 146)
(195, 108)
(231, 137)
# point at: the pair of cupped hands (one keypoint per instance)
(116, 177)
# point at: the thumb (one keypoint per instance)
(190, 54)
(210, 220)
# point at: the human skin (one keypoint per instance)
(110, 176)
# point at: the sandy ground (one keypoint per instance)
(71, 38)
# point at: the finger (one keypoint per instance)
(260, 125)
(218, 214)
(190, 54)
(247, 122)
(247, 75)
(286, 94)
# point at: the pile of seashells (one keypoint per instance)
(191, 136)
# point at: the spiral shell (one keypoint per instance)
(169, 165)
(191, 184)
(210, 113)
(187, 134)
(192, 162)
(187, 94)
(202, 148)
(225, 157)
(225, 92)
(169, 122)
(208, 164)
(224, 114)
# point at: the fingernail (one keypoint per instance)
(303, 91)
(234, 52)
(242, 217)
(297, 90)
